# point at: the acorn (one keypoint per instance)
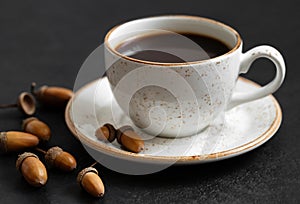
(32, 169)
(16, 141)
(56, 157)
(89, 180)
(129, 139)
(25, 103)
(106, 133)
(52, 96)
(36, 127)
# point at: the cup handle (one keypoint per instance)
(246, 60)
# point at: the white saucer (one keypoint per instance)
(240, 130)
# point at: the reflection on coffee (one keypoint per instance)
(172, 47)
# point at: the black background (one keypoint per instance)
(47, 41)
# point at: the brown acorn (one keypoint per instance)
(56, 157)
(52, 96)
(106, 133)
(129, 139)
(90, 181)
(36, 127)
(16, 141)
(25, 103)
(32, 169)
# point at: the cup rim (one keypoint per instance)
(113, 50)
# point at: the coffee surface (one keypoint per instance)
(172, 47)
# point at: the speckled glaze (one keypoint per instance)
(238, 131)
(181, 99)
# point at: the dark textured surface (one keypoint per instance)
(47, 41)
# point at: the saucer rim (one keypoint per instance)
(103, 148)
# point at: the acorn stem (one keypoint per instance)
(8, 105)
(94, 164)
(40, 150)
(32, 88)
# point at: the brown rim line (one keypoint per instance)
(103, 148)
(238, 43)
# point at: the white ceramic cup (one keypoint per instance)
(181, 99)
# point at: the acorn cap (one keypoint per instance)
(22, 157)
(112, 132)
(26, 103)
(121, 130)
(3, 142)
(51, 155)
(84, 171)
(27, 121)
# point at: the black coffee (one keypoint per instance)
(172, 47)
